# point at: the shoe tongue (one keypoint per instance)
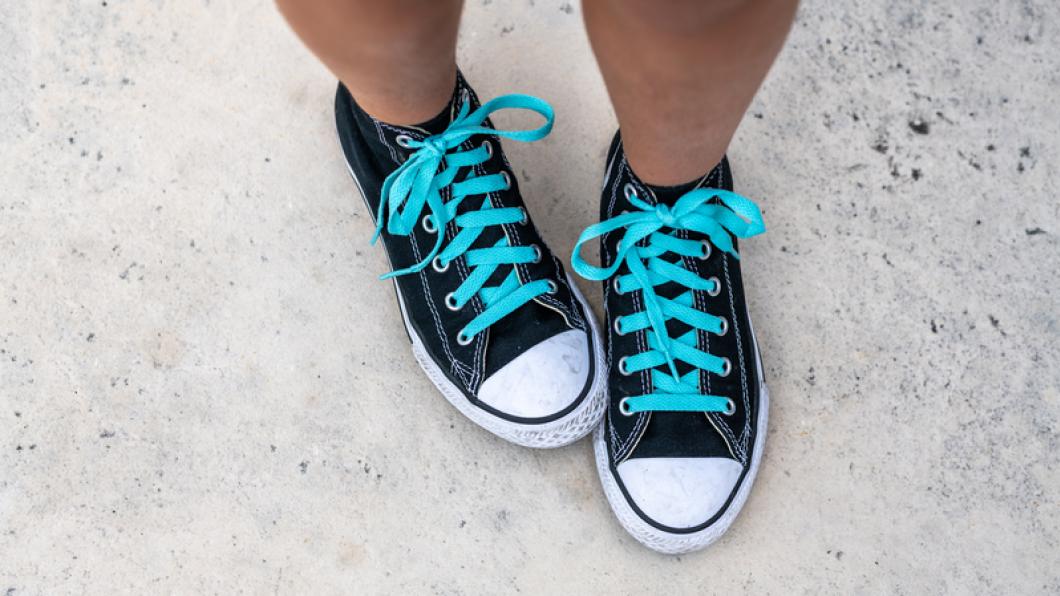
(439, 123)
(668, 195)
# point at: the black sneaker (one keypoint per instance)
(493, 319)
(686, 419)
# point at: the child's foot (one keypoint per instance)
(492, 317)
(685, 425)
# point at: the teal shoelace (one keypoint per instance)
(648, 236)
(418, 184)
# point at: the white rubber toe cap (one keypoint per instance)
(679, 492)
(541, 381)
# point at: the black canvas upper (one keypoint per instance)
(679, 434)
(373, 152)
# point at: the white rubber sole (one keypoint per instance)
(557, 433)
(668, 542)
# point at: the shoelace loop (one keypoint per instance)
(641, 249)
(418, 183)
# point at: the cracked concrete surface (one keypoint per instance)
(203, 387)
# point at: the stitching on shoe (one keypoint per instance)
(457, 367)
(443, 336)
(745, 434)
(615, 447)
(742, 446)
(394, 154)
(639, 337)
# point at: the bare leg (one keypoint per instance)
(397, 57)
(681, 74)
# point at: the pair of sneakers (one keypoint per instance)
(673, 386)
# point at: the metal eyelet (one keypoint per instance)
(507, 180)
(724, 327)
(428, 224)
(463, 339)
(526, 218)
(623, 407)
(622, 370)
(450, 302)
(552, 287)
(730, 407)
(703, 256)
(403, 141)
(537, 253)
(489, 148)
(629, 191)
(726, 368)
(617, 327)
(436, 264)
(614, 286)
(717, 287)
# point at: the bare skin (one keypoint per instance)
(680, 73)
(397, 57)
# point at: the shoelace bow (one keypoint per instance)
(736, 216)
(419, 183)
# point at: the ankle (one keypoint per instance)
(666, 166)
(407, 104)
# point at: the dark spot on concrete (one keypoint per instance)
(1025, 151)
(916, 173)
(919, 126)
(996, 324)
(503, 519)
(125, 274)
(106, 434)
(303, 466)
(971, 161)
(1034, 231)
(567, 8)
(272, 448)
(990, 147)
(880, 146)
(934, 327)
(91, 337)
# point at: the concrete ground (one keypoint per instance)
(203, 387)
